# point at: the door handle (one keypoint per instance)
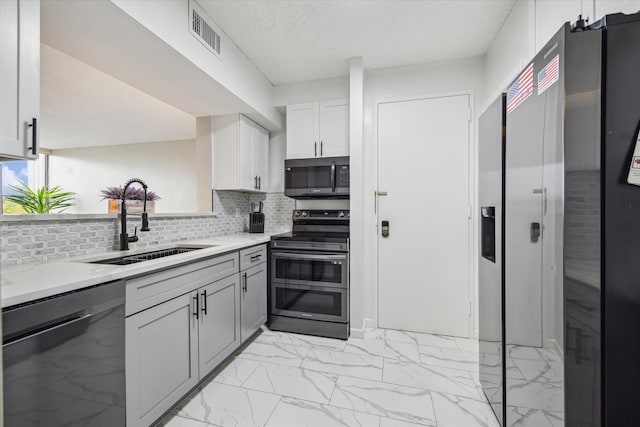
(259, 183)
(196, 313)
(333, 175)
(315, 149)
(320, 148)
(244, 285)
(385, 228)
(204, 301)
(34, 136)
(535, 232)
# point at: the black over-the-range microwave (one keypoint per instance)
(317, 178)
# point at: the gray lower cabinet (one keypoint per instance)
(161, 364)
(219, 323)
(253, 302)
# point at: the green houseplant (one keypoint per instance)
(42, 200)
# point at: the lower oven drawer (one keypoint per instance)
(310, 302)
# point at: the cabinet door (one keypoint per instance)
(334, 128)
(247, 176)
(302, 131)
(19, 77)
(261, 156)
(161, 358)
(219, 333)
(253, 310)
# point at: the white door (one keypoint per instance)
(302, 131)
(247, 176)
(424, 263)
(334, 128)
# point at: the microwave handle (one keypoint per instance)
(333, 177)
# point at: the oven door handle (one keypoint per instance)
(333, 177)
(309, 256)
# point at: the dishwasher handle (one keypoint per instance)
(76, 324)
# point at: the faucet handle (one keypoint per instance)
(134, 238)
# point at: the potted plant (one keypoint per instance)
(43, 200)
(134, 199)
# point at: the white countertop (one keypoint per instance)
(28, 282)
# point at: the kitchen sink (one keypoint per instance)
(145, 256)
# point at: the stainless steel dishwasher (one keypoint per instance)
(63, 359)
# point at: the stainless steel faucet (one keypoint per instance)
(124, 237)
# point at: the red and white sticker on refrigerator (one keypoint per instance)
(520, 90)
(634, 170)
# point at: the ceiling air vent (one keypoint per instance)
(203, 30)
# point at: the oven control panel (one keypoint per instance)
(321, 214)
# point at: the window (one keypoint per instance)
(34, 173)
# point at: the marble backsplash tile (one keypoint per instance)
(23, 242)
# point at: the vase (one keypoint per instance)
(133, 206)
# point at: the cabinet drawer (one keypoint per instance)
(253, 256)
(156, 288)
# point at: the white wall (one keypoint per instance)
(168, 168)
(317, 90)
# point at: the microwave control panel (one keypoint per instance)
(342, 176)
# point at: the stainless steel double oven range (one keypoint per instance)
(309, 274)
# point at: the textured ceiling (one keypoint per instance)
(294, 41)
(83, 107)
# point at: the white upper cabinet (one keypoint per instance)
(19, 78)
(240, 154)
(319, 129)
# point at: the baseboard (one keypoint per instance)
(367, 325)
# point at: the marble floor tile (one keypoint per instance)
(295, 413)
(184, 422)
(269, 336)
(525, 417)
(391, 422)
(226, 405)
(338, 362)
(535, 395)
(437, 341)
(523, 352)
(550, 355)
(292, 382)
(435, 378)
(467, 344)
(555, 418)
(540, 370)
(449, 358)
(383, 348)
(387, 400)
(401, 336)
(236, 372)
(282, 354)
(455, 411)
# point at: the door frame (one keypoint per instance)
(472, 280)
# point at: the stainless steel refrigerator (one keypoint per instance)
(571, 208)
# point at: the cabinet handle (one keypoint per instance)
(315, 149)
(244, 285)
(259, 182)
(321, 148)
(255, 182)
(34, 136)
(197, 311)
(204, 301)
(255, 258)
